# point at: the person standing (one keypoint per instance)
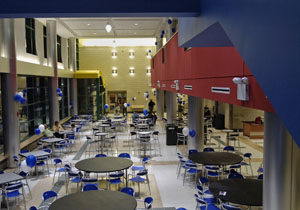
(125, 109)
(151, 106)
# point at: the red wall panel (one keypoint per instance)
(216, 62)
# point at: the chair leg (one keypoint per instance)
(148, 182)
(28, 188)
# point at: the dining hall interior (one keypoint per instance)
(156, 106)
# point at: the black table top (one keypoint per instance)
(215, 158)
(240, 191)
(95, 200)
(103, 164)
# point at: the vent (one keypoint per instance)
(224, 90)
(173, 86)
(188, 87)
(163, 85)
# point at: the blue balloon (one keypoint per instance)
(31, 161)
(147, 96)
(128, 104)
(60, 94)
(23, 100)
(173, 30)
(145, 112)
(17, 97)
(169, 21)
(71, 103)
(58, 90)
(155, 43)
(149, 51)
(192, 133)
(183, 102)
(106, 106)
(162, 36)
(163, 32)
(37, 131)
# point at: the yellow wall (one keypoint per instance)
(244, 114)
(101, 58)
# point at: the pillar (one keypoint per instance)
(228, 116)
(98, 105)
(159, 104)
(8, 90)
(196, 122)
(52, 61)
(281, 187)
(73, 81)
(171, 107)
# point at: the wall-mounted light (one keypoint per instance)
(131, 54)
(242, 88)
(114, 54)
(114, 71)
(148, 71)
(108, 28)
(176, 84)
(131, 71)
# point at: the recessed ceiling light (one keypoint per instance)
(134, 33)
(136, 24)
(88, 24)
(94, 33)
(108, 27)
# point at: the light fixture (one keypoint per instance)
(242, 88)
(114, 54)
(94, 33)
(131, 54)
(148, 54)
(108, 28)
(131, 71)
(136, 24)
(148, 72)
(114, 71)
(88, 24)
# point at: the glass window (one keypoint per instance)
(64, 101)
(30, 36)
(36, 109)
(45, 40)
(59, 58)
(1, 124)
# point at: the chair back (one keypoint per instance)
(203, 180)
(100, 155)
(229, 148)
(128, 190)
(23, 173)
(208, 149)
(261, 176)
(181, 208)
(24, 151)
(248, 155)
(235, 175)
(57, 161)
(47, 150)
(89, 187)
(148, 202)
(14, 187)
(125, 155)
(191, 151)
(31, 161)
(49, 194)
(227, 206)
(32, 208)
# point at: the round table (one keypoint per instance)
(95, 200)
(215, 158)
(102, 136)
(104, 165)
(240, 191)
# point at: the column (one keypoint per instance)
(281, 187)
(8, 89)
(196, 122)
(159, 104)
(52, 61)
(171, 107)
(228, 116)
(73, 81)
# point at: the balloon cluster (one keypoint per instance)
(173, 30)
(126, 105)
(59, 93)
(106, 106)
(39, 130)
(170, 21)
(20, 97)
(186, 132)
(133, 98)
(192, 133)
(146, 94)
(180, 98)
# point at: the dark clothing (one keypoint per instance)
(124, 111)
(57, 135)
(151, 106)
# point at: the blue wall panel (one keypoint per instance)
(267, 35)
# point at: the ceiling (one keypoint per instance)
(121, 27)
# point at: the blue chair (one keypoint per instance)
(140, 168)
(125, 155)
(212, 171)
(191, 169)
(58, 168)
(12, 191)
(229, 149)
(148, 202)
(203, 205)
(208, 149)
(47, 195)
(247, 162)
(89, 187)
(227, 206)
(235, 175)
(208, 197)
(24, 151)
(25, 175)
(261, 176)
(101, 155)
(111, 181)
(128, 190)
(191, 151)
(17, 162)
(181, 208)
(32, 208)
(204, 183)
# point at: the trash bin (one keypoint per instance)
(171, 134)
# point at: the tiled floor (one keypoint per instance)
(166, 189)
